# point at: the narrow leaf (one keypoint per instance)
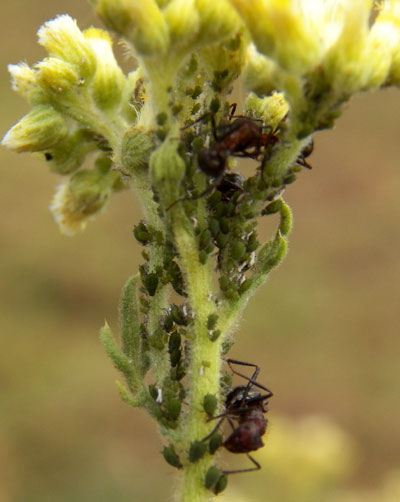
(126, 397)
(120, 361)
(129, 319)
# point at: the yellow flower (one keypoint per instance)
(108, 83)
(140, 22)
(78, 200)
(388, 23)
(62, 39)
(37, 131)
(296, 33)
(24, 82)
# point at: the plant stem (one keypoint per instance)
(205, 362)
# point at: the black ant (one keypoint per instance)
(242, 137)
(306, 152)
(247, 406)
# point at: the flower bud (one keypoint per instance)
(139, 21)
(183, 21)
(25, 84)
(167, 169)
(272, 109)
(382, 40)
(62, 39)
(262, 75)
(76, 201)
(57, 78)
(282, 32)
(109, 82)
(69, 154)
(394, 73)
(388, 26)
(37, 131)
(218, 21)
(136, 149)
(346, 65)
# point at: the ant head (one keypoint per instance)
(211, 162)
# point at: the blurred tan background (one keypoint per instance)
(325, 329)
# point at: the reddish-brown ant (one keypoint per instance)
(247, 407)
(242, 137)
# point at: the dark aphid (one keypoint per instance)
(245, 409)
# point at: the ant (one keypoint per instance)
(231, 182)
(243, 137)
(306, 152)
(247, 406)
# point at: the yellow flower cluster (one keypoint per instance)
(80, 99)
(313, 55)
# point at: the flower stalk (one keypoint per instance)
(167, 131)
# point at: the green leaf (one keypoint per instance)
(271, 254)
(286, 219)
(129, 319)
(120, 360)
(126, 397)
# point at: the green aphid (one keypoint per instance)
(210, 403)
(196, 451)
(172, 457)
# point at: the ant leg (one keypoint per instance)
(301, 161)
(232, 107)
(270, 141)
(215, 428)
(250, 469)
(253, 379)
(205, 192)
(242, 363)
(200, 119)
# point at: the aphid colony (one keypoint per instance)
(227, 235)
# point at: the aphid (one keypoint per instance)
(245, 409)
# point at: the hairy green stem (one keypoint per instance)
(205, 362)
